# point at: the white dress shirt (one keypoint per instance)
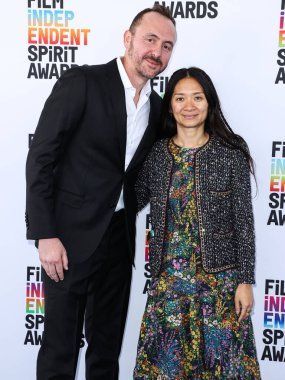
(137, 118)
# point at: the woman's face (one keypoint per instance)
(189, 104)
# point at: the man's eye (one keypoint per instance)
(167, 47)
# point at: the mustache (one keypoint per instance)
(152, 58)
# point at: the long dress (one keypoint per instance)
(190, 329)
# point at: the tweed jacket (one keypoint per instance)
(224, 207)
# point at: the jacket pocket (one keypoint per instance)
(220, 194)
(225, 249)
(71, 199)
(223, 235)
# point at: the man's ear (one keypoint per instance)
(127, 38)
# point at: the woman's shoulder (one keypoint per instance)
(157, 153)
(160, 143)
(236, 146)
(235, 153)
(159, 146)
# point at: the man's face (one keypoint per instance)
(149, 48)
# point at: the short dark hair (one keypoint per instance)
(161, 9)
(215, 123)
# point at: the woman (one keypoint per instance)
(197, 320)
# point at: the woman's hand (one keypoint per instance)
(243, 301)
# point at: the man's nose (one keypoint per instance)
(156, 50)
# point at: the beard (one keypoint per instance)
(141, 65)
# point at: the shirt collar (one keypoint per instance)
(146, 90)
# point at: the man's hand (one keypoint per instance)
(53, 258)
(243, 301)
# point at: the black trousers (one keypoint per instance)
(97, 291)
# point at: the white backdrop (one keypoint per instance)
(241, 44)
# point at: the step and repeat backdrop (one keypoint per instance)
(241, 44)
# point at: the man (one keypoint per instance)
(93, 134)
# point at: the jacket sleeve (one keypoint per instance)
(61, 114)
(243, 219)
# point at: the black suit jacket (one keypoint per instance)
(75, 166)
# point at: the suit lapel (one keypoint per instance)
(149, 134)
(118, 102)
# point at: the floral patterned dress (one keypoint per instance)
(190, 329)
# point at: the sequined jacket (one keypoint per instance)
(224, 207)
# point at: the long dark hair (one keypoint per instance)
(215, 124)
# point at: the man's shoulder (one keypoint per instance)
(97, 69)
